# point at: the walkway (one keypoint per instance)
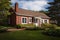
(14, 29)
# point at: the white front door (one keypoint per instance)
(36, 24)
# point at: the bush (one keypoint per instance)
(52, 32)
(47, 26)
(32, 28)
(28, 26)
(18, 26)
(1, 27)
(4, 29)
(25, 25)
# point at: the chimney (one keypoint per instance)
(16, 7)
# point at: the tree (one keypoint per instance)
(54, 11)
(46, 12)
(4, 10)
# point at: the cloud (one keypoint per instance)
(35, 5)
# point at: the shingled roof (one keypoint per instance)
(20, 11)
(31, 13)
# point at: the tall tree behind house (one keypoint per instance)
(54, 11)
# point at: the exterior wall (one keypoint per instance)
(12, 19)
(19, 19)
(44, 20)
(16, 19)
(39, 22)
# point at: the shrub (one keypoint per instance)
(52, 32)
(32, 28)
(1, 27)
(47, 26)
(28, 26)
(4, 29)
(18, 26)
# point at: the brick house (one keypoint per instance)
(22, 16)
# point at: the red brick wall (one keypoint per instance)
(12, 19)
(16, 7)
(19, 20)
(15, 19)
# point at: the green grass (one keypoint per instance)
(26, 35)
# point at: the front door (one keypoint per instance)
(36, 22)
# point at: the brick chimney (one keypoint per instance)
(16, 7)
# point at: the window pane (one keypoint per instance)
(41, 21)
(23, 20)
(35, 20)
(30, 19)
(45, 21)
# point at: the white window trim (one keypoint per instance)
(29, 19)
(21, 20)
(36, 21)
(44, 20)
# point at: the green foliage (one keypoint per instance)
(4, 10)
(52, 32)
(46, 12)
(28, 26)
(3, 29)
(50, 29)
(54, 11)
(5, 4)
(18, 26)
(47, 26)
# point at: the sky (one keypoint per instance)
(34, 5)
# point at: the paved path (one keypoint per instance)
(14, 29)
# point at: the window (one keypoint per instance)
(24, 20)
(45, 21)
(35, 20)
(30, 20)
(41, 21)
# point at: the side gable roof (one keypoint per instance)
(31, 13)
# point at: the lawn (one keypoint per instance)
(26, 35)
